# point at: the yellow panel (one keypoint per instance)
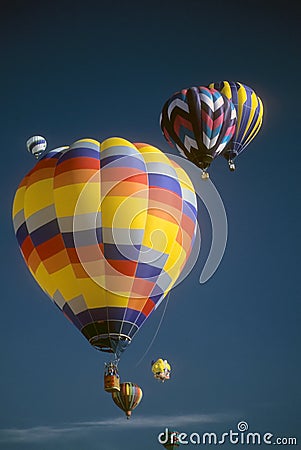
(227, 90)
(165, 237)
(63, 280)
(122, 211)
(18, 204)
(96, 296)
(254, 104)
(67, 199)
(258, 123)
(150, 149)
(255, 130)
(114, 142)
(92, 141)
(38, 196)
(138, 222)
(183, 178)
(152, 154)
(241, 99)
(176, 257)
(118, 300)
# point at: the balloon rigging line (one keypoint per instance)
(155, 335)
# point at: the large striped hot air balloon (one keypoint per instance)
(105, 229)
(249, 111)
(200, 122)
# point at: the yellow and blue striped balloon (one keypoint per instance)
(249, 111)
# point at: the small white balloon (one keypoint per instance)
(36, 145)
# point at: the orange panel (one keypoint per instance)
(34, 261)
(137, 303)
(57, 262)
(74, 177)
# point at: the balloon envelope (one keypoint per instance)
(200, 122)
(128, 398)
(249, 111)
(36, 145)
(105, 229)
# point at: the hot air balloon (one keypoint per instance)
(105, 229)
(161, 369)
(200, 122)
(36, 145)
(249, 111)
(128, 398)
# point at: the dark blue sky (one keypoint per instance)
(99, 69)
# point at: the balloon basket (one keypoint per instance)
(111, 383)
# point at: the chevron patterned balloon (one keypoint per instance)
(199, 122)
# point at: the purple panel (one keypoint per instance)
(70, 314)
(125, 161)
(189, 210)
(85, 316)
(115, 313)
(22, 233)
(79, 152)
(157, 291)
(87, 239)
(165, 182)
(146, 271)
(140, 319)
(68, 239)
(131, 315)
(155, 298)
(45, 232)
(129, 252)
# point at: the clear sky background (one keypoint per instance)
(98, 69)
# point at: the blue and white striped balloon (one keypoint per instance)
(36, 145)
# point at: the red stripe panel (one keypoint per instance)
(181, 122)
(51, 247)
(43, 164)
(139, 178)
(187, 224)
(27, 247)
(41, 174)
(165, 196)
(148, 307)
(77, 163)
(124, 267)
(207, 119)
